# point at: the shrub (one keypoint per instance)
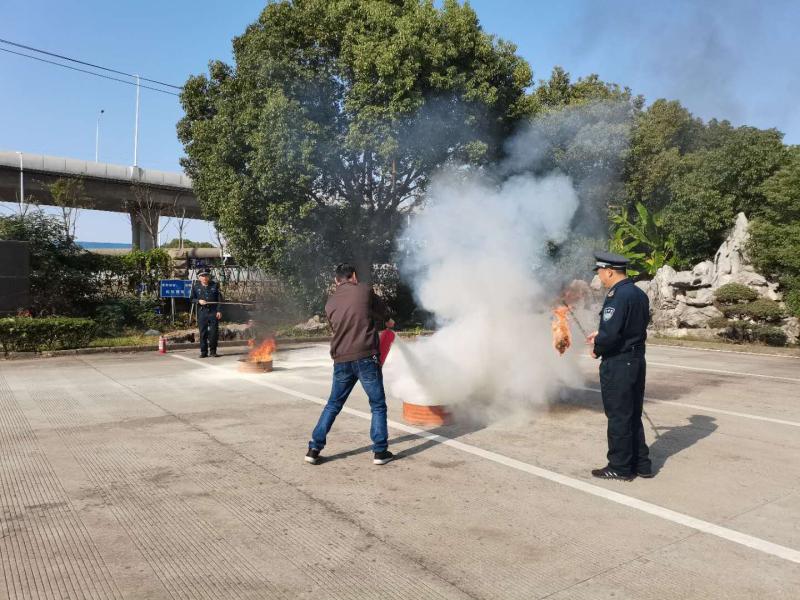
(744, 331)
(718, 323)
(732, 293)
(793, 302)
(758, 310)
(23, 334)
(129, 311)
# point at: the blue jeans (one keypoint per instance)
(345, 375)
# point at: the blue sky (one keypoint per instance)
(733, 59)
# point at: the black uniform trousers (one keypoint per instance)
(209, 330)
(622, 385)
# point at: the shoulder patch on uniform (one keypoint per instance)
(611, 294)
(608, 313)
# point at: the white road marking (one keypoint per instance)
(746, 353)
(720, 371)
(725, 533)
(707, 409)
(741, 373)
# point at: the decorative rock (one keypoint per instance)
(791, 327)
(694, 317)
(731, 258)
(701, 297)
(152, 332)
(313, 324)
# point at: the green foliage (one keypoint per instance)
(176, 243)
(733, 293)
(58, 277)
(757, 310)
(700, 175)
(129, 312)
(25, 334)
(643, 240)
(775, 233)
(326, 133)
(792, 300)
(744, 331)
(713, 184)
(719, 323)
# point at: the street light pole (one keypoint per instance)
(97, 137)
(136, 128)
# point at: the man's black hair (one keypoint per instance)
(344, 271)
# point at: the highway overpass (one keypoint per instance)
(144, 194)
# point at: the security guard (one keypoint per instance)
(207, 295)
(620, 344)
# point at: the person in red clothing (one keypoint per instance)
(354, 312)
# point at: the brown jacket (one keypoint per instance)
(352, 311)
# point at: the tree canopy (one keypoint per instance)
(322, 136)
(325, 132)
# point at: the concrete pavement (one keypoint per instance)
(147, 476)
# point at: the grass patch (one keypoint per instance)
(124, 340)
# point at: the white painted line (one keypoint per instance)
(707, 409)
(725, 533)
(741, 373)
(700, 348)
(720, 371)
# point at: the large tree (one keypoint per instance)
(324, 134)
(776, 229)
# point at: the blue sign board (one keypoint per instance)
(175, 288)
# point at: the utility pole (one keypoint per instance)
(21, 184)
(97, 137)
(136, 128)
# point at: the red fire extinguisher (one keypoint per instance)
(162, 345)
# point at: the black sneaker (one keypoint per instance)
(381, 458)
(204, 356)
(214, 355)
(609, 473)
(312, 456)
(645, 474)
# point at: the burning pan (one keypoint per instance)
(255, 366)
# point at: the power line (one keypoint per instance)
(87, 64)
(117, 79)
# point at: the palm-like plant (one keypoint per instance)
(642, 240)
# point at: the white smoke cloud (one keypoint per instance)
(479, 253)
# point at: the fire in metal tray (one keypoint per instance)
(259, 359)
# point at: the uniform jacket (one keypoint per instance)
(210, 293)
(623, 320)
(354, 312)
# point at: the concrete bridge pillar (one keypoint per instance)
(144, 228)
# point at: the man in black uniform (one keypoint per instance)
(620, 344)
(206, 295)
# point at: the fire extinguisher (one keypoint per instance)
(162, 345)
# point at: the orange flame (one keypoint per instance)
(262, 352)
(562, 339)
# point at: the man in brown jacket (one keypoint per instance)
(353, 310)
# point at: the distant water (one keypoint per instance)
(94, 245)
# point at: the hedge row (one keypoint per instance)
(757, 310)
(25, 334)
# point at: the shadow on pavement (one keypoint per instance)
(672, 440)
(452, 431)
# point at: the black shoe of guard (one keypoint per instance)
(203, 356)
(381, 458)
(609, 473)
(312, 456)
(645, 474)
